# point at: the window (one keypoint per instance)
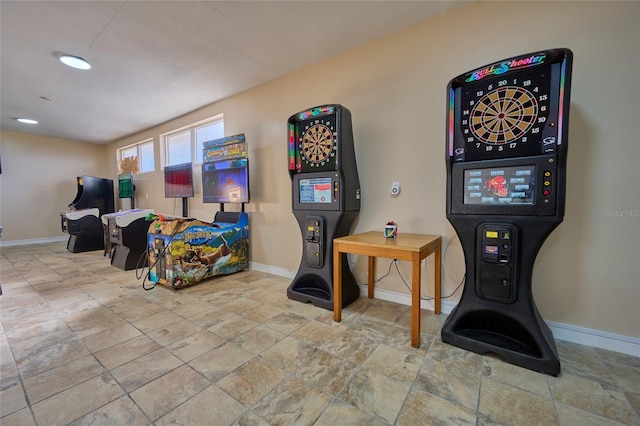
(136, 158)
(179, 148)
(185, 145)
(207, 133)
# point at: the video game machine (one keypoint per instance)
(185, 251)
(82, 222)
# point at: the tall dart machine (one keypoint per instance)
(325, 199)
(506, 171)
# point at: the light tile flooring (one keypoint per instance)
(83, 343)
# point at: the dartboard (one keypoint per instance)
(503, 115)
(317, 144)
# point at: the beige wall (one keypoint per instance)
(585, 274)
(38, 181)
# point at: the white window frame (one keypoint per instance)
(138, 147)
(196, 151)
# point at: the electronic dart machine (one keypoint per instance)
(325, 197)
(506, 168)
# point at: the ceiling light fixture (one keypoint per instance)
(27, 121)
(75, 62)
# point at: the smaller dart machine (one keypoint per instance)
(325, 198)
(94, 198)
(506, 171)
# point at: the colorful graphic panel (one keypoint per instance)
(184, 253)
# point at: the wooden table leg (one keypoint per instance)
(437, 279)
(415, 300)
(372, 274)
(337, 285)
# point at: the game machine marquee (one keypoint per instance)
(506, 170)
(325, 198)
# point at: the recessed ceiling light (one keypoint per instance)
(27, 121)
(75, 62)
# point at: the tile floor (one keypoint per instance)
(82, 343)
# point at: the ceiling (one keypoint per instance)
(156, 60)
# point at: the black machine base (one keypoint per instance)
(127, 259)
(525, 342)
(85, 234)
(130, 244)
(317, 288)
(505, 323)
(314, 281)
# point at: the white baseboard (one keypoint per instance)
(287, 273)
(596, 338)
(12, 243)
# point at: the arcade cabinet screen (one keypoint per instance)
(178, 181)
(315, 190)
(225, 181)
(500, 185)
(125, 185)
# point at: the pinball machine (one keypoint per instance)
(325, 199)
(506, 154)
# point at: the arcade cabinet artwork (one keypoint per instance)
(325, 198)
(506, 170)
(82, 223)
(183, 252)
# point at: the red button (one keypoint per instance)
(546, 192)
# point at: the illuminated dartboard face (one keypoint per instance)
(317, 143)
(505, 117)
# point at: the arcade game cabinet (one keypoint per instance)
(506, 171)
(126, 189)
(325, 198)
(94, 198)
(183, 252)
(127, 237)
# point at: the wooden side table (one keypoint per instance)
(411, 247)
